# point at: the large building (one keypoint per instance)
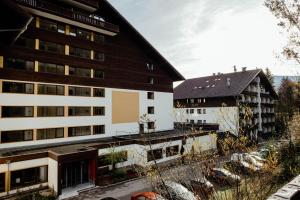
(240, 102)
(75, 79)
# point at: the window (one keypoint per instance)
(199, 100)
(172, 151)
(74, 31)
(151, 125)
(79, 91)
(199, 121)
(199, 111)
(51, 26)
(150, 66)
(187, 111)
(99, 74)
(204, 111)
(191, 111)
(25, 42)
(51, 89)
(154, 154)
(99, 56)
(51, 68)
(192, 121)
(12, 87)
(77, 71)
(2, 182)
(150, 95)
(192, 100)
(50, 133)
(52, 47)
(15, 63)
(99, 92)
(204, 121)
(28, 177)
(204, 100)
(17, 111)
(79, 131)
(150, 110)
(79, 111)
(99, 129)
(16, 136)
(43, 111)
(83, 53)
(99, 38)
(99, 111)
(151, 80)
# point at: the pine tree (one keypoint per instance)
(269, 75)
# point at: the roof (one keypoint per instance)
(176, 76)
(216, 85)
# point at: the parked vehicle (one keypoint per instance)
(202, 187)
(257, 156)
(223, 176)
(177, 191)
(246, 162)
(250, 159)
(146, 196)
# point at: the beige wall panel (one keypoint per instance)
(125, 107)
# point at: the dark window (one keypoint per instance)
(99, 111)
(99, 74)
(150, 66)
(50, 133)
(172, 151)
(199, 111)
(27, 177)
(51, 26)
(151, 125)
(150, 95)
(12, 87)
(79, 111)
(74, 31)
(142, 128)
(99, 56)
(99, 129)
(83, 53)
(191, 111)
(17, 111)
(48, 111)
(99, 38)
(204, 111)
(151, 80)
(150, 110)
(51, 89)
(15, 63)
(2, 182)
(192, 121)
(204, 121)
(52, 47)
(79, 131)
(51, 68)
(154, 154)
(187, 111)
(25, 42)
(79, 91)
(77, 71)
(16, 136)
(199, 121)
(99, 92)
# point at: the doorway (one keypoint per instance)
(75, 173)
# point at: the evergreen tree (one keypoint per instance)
(269, 75)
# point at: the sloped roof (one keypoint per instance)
(216, 85)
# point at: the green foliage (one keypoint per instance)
(119, 173)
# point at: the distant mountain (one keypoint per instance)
(277, 80)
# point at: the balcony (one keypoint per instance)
(83, 18)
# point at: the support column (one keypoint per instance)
(34, 134)
(37, 44)
(7, 181)
(36, 66)
(67, 49)
(1, 61)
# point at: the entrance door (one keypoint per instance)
(75, 173)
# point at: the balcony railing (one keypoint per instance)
(68, 13)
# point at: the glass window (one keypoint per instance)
(79, 111)
(154, 154)
(79, 91)
(79, 131)
(51, 68)
(99, 74)
(191, 111)
(151, 125)
(27, 177)
(51, 89)
(99, 111)
(2, 182)
(51, 26)
(51, 133)
(99, 129)
(204, 111)
(150, 110)
(14, 87)
(199, 121)
(150, 95)
(52, 47)
(83, 53)
(25, 42)
(16, 136)
(199, 111)
(17, 111)
(172, 151)
(150, 66)
(99, 92)
(83, 34)
(151, 80)
(99, 56)
(15, 63)
(77, 71)
(50, 111)
(99, 38)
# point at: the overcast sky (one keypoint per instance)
(200, 37)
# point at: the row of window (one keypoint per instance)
(198, 121)
(157, 154)
(50, 133)
(196, 100)
(199, 111)
(49, 111)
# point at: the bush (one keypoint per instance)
(119, 173)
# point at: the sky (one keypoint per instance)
(202, 37)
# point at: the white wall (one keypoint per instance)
(53, 174)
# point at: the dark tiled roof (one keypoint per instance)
(216, 85)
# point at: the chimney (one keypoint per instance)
(244, 69)
(234, 68)
(214, 74)
(219, 73)
(228, 82)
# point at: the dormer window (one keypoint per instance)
(150, 66)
